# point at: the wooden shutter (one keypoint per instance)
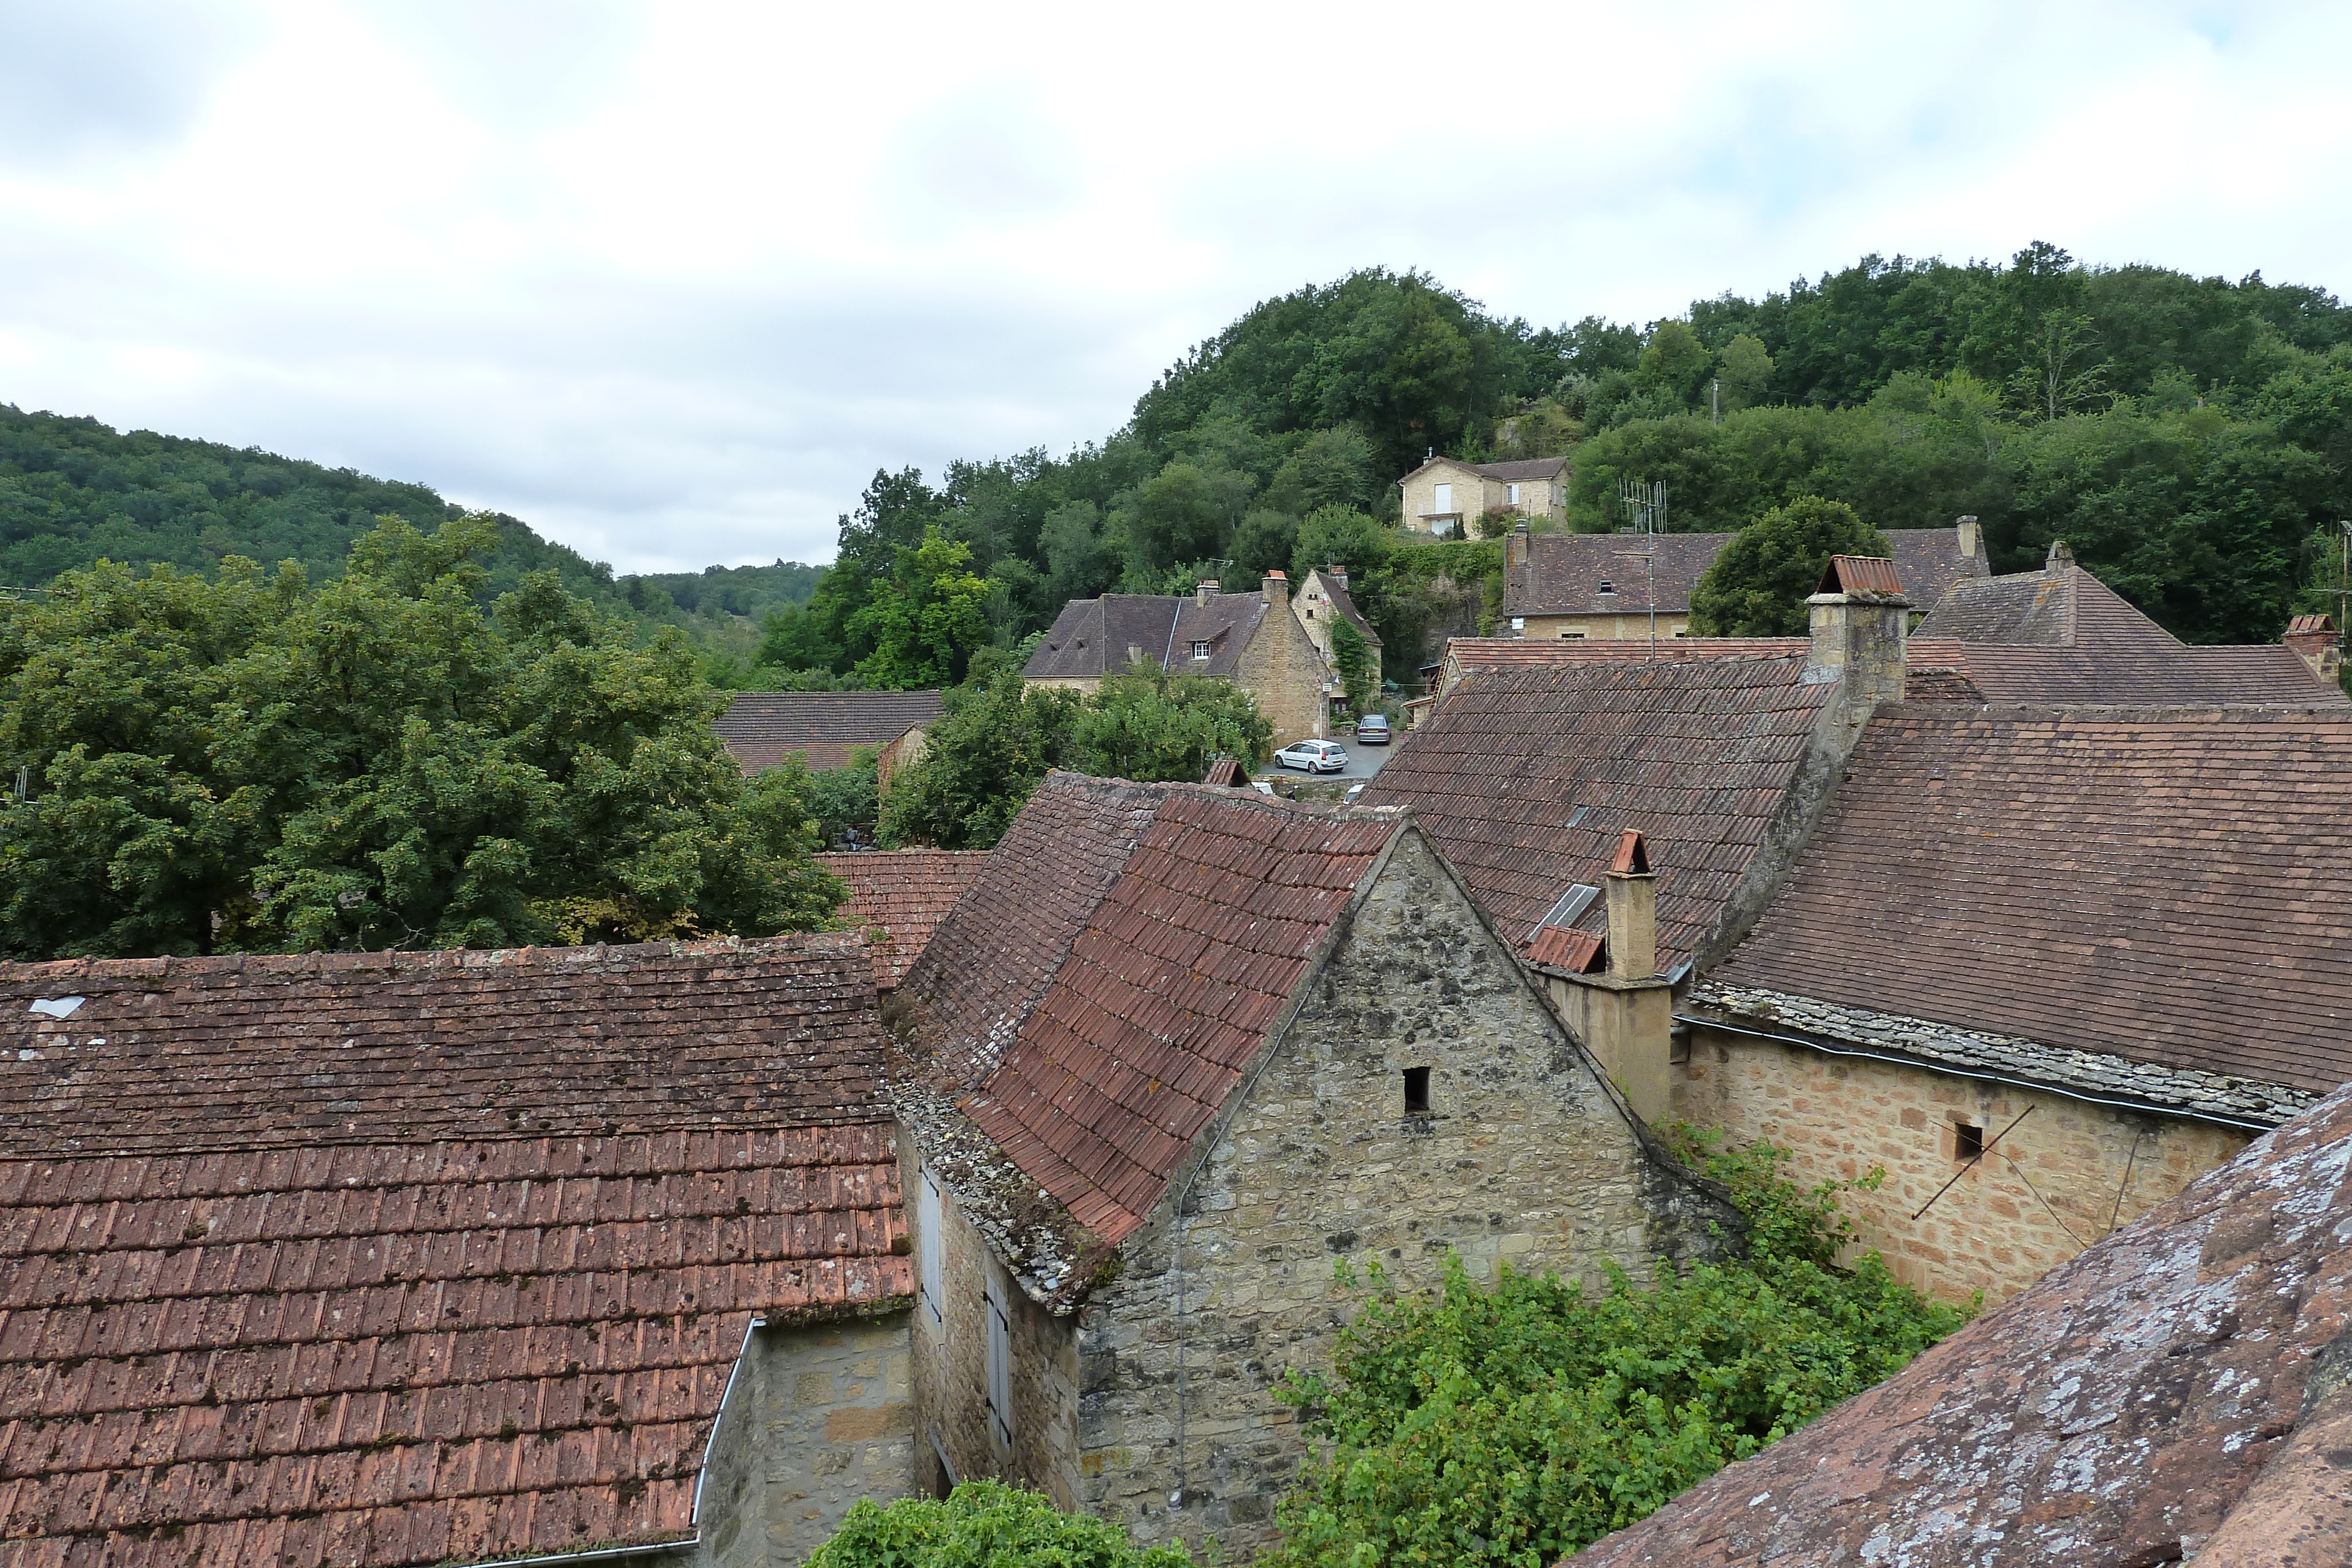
(999, 1363)
(927, 1236)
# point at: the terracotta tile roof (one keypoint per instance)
(1170, 945)
(2171, 886)
(282, 1284)
(1227, 773)
(1866, 574)
(2175, 1392)
(1506, 652)
(176, 1054)
(760, 728)
(2310, 626)
(1564, 571)
(1092, 637)
(1527, 777)
(898, 897)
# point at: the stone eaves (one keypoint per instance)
(2243, 1102)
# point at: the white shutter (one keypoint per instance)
(1000, 1363)
(1444, 499)
(927, 1230)
(1515, 495)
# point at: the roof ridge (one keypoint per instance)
(175, 965)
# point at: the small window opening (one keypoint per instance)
(1967, 1141)
(1416, 1091)
(1607, 586)
(1199, 650)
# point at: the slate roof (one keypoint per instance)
(1091, 637)
(2176, 1392)
(2171, 886)
(898, 897)
(1526, 777)
(393, 1260)
(1563, 572)
(760, 729)
(1160, 931)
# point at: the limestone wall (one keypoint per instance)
(2047, 1189)
(1524, 1156)
(819, 1416)
(1282, 670)
(1630, 623)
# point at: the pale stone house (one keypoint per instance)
(1175, 1050)
(1253, 640)
(1323, 601)
(1888, 930)
(1445, 495)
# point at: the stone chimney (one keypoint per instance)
(2062, 557)
(1515, 549)
(2315, 642)
(1971, 538)
(1278, 589)
(1861, 629)
(1205, 592)
(1340, 577)
(1624, 1016)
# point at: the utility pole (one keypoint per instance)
(2343, 593)
(1715, 399)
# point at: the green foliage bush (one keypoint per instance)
(1759, 585)
(983, 1524)
(1517, 1422)
(254, 763)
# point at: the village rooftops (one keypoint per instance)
(760, 729)
(2159, 899)
(1588, 574)
(1528, 776)
(2175, 1393)
(897, 898)
(1083, 1015)
(1097, 637)
(385, 1259)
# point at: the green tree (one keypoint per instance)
(1340, 536)
(1185, 512)
(1335, 467)
(255, 764)
(846, 799)
(983, 1524)
(980, 762)
(1352, 656)
(1674, 362)
(1745, 369)
(922, 630)
(1264, 542)
(1152, 726)
(1519, 1423)
(1758, 586)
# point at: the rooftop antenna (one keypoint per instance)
(1646, 514)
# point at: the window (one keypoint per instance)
(1199, 650)
(1444, 502)
(1607, 586)
(927, 1240)
(1967, 1141)
(1416, 1091)
(999, 1363)
(1571, 633)
(1515, 495)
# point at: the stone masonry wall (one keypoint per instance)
(1282, 670)
(1525, 1157)
(2042, 1193)
(1629, 625)
(820, 1416)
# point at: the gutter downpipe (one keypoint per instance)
(2136, 1107)
(616, 1554)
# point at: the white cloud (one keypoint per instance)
(671, 282)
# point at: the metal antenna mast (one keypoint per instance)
(1646, 514)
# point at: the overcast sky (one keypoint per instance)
(669, 282)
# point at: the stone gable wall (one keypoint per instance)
(1526, 1158)
(1282, 670)
(1630, 623)
(2045, 1191)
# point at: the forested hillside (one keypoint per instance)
(2192, 437)
(73, 490)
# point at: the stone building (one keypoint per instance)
(393, 1260)
(1177, 1050)
(760, 729)
(1253, 640)
(1994, 907)
(1606, 585)
(1446, 496)
(2176, 1393)
(1323, 601)
(2314, 640)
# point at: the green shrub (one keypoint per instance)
(1518, 1423)
(984, 1524)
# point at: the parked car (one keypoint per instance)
(1372, 730)
(1313, 755)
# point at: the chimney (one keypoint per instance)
(1861, 626)
(2062, 557)
(2313, 638)
(1625, 1016)
(1278, 589)
(1632, 892)
(1971, 538)
(1340, 577)
(1206, 592)
(1515, 549)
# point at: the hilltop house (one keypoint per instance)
(1888, 928)
(380, 1261)
(1177, 1049)
(1250, 639)
(1606, 585)
(1445, 495)
(2176, 1393)
(760, 729)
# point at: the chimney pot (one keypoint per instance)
(2061, 556)
(1205, 592)
(1971, 538)
(1633, 894)
(1276, 589)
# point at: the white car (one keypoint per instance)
(1313, 755)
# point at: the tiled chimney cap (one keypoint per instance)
(1860, 574)
(1632, 855)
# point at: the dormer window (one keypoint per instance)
(1199, 650)
(1607, 586)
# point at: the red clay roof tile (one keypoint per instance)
(898, 897)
